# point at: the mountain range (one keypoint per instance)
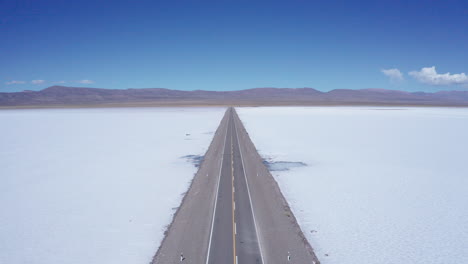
(78, 96)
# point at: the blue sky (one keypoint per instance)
(231, 45)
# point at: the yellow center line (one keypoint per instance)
(233, 205)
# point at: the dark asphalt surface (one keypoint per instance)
(247, 242)
(222, 238)
(234, 211)
(234, 235)
(189, 232)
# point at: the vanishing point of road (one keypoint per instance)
(234, 211)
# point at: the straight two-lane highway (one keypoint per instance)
(234, 211)
(233, 235)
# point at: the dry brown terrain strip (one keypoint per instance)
(61, 96)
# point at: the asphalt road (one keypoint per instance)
(234, 211)
(233, 236)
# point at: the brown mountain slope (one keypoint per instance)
(78, 96)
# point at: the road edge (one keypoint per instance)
(187, 192)
(277, 189)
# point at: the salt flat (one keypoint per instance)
(95, 185)
(381, 185)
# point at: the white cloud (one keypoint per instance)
(430, 76)
(37, 81)
(15, 82)
(393, 74)
(60, 82)
(85, 81)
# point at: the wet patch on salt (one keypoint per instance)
(196, 160)
(283, 165)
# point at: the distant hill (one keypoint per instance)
(78, 96)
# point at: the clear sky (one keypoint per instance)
(231, 45)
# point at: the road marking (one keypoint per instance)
(217, 191)
(248, 191)
(233, 202)
(235, 228)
